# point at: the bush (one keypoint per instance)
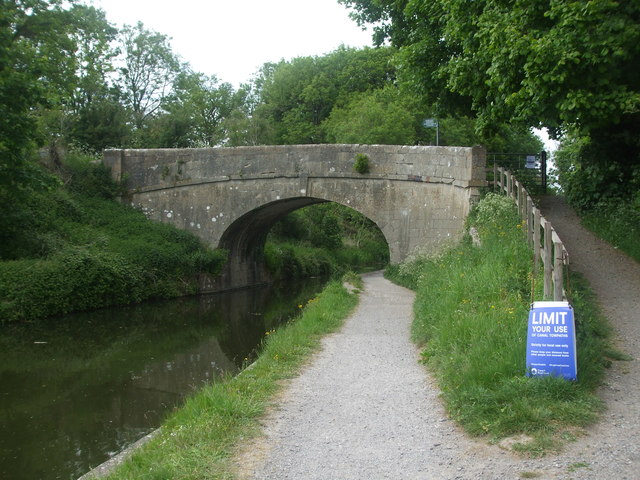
(618, 223)
(75, 279)
(361, 163)
(85, 174)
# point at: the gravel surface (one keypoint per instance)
(366, 409)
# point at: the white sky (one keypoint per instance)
(232, 39)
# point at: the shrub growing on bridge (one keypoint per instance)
(361, 163)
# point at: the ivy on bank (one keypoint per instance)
(79, 249)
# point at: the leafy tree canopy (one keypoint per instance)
(297, 96)
(566, 65)
(541, 62)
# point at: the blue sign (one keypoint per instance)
(551, 341)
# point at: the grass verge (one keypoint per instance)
(199, 439)
(471, 314)
(618, 224)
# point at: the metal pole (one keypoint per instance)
(543, 166)
(437, 132)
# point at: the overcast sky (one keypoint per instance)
(233, 38)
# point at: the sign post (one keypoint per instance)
(431, 123)
(551, 341)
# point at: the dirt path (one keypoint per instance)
(612, 448)
(366, 409)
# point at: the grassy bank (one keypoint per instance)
(618, 224)
(199, 439)
(76, 248)
(471, 315)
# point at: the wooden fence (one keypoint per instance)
(546, 243)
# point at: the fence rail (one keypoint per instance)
(546, 243)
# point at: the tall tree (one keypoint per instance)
(148, 72)
(381, 116)
(209, 103)
(36, 64)
(92, 116)
(543, 62)
(562, 65)
(95, 53)
(297, 96)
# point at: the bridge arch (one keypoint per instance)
(230, 197)
(245, 238)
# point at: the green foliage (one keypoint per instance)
(568, 66)
(601, 171)
(88, 176)
(380, 116)
(493, 212)
(36, 67)
(361, 163)
(78, 249)
(472, 304)
(149, 68)
(73, 279)
(618, 223)
(542, 63)
(324, 239)
(291, 261)
(296, 97)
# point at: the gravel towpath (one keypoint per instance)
(364, 408)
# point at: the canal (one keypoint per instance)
(78, 389)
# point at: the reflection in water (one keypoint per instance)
(78, 389)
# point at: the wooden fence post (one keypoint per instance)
(495, 175)
(558, 262)
(548, 259)
(536, 239)
(530, 220)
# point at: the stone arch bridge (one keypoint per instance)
(230, 197)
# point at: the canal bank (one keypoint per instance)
(76, 390)
(199, 439)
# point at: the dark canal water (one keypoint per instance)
(78, 389)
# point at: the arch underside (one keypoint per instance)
(245, 238)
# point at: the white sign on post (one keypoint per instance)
(551, 341)
(531, 161)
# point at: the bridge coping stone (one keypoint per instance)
(150, 169)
